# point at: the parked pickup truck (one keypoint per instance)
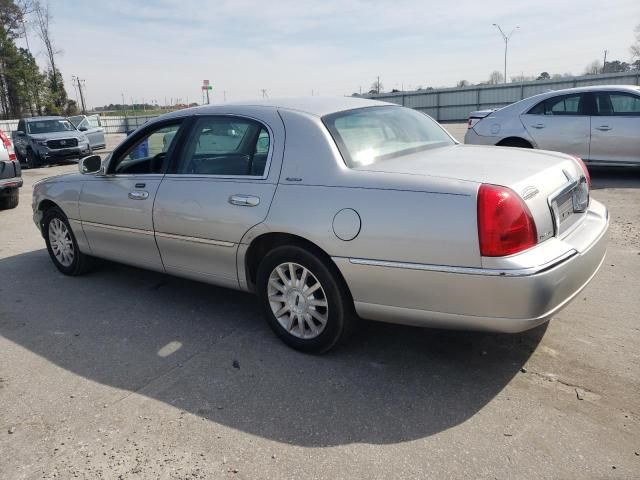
(10, 175)
(46, 140)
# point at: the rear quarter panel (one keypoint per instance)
(404, 218)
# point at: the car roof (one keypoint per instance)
(318, 106)
(528, 102)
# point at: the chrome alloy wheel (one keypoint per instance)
(298, 301)
(61, 243)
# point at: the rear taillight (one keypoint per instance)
(8, 145)
(585, 170)
(505, 224)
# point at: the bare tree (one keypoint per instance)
(43, 24)
(376, 87)
(495, 78)
(463, 83)
(43, 21)
(635, 48)
(593, 68)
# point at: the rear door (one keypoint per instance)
(116, 208)
(561, 123)
(615, 129)
(221, 185)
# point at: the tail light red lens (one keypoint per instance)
(505, 224)
(585, 170)
(8, 145)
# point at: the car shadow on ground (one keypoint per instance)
(208, 351)
(614, 177)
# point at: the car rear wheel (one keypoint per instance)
(10, 199)
(62, 245)
(304, 302)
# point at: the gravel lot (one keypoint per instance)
(131, 374)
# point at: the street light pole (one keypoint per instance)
(506, 46)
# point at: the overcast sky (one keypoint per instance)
(158, 49)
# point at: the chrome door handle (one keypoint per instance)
(538, 125)
(138, 195)
(244, 200)
(603, 128)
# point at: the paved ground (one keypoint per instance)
(130, 374)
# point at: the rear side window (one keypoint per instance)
(562, 105)
(370, 135)
(227, 146)
(618, 104)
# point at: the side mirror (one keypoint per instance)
(90, 164)
(83, 129)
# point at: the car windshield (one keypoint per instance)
(370, 135)
(48, 126)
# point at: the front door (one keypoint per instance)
(221, 185)
(560, 123)
(116, 209)
(615, 129)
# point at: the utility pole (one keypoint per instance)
(264, 93)
(604, 64)
(125, 109)
(378, 85)
(224, 95)
(77, 81)
(506, 45)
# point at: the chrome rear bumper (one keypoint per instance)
(476, 298)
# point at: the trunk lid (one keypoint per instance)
(543, 179)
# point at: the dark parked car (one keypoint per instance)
(10, 176)
(45, 140)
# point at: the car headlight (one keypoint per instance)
(42, 142)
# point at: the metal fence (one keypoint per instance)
(454, 104)
(444, 104)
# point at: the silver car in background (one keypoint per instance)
(334, 209)
(91, 126)
(600, 124)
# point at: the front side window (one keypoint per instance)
(49, 126)
(148, 154)
(225, 145)
(370, 135)
(563, 105)
(618, 104)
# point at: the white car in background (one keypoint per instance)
(600, 124)
(91, 126)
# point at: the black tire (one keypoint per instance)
(81, 263)
(20, 158)
(33, 161)
(515, 142)
(340, 313)
(10, 199)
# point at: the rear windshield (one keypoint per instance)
(47, 126)
(366, 136)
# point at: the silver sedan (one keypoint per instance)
(599, 124)
(332, 210)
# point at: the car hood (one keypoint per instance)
(56, 135)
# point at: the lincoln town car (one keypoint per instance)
(335, 210)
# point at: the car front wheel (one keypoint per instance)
(62, 245)
(305, 302)
(32, 159)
